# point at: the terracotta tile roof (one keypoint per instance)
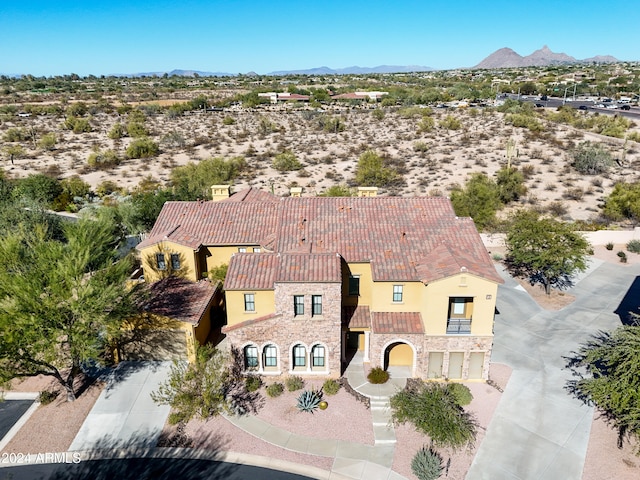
(396, 322)
(260, 271)
(404, 239)
(248, 323)
(356, 317)
(180, 299)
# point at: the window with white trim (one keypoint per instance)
(270, 356)
(316, 305)
(257, 249)
(242, 250)
(249, 302)
(251, 357)
(299, 356)
(354, 285)
(397, 293)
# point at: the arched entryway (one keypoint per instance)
(399, 358)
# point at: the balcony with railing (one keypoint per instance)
(459, 326)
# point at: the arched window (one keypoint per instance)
(299, 357)
(318, 357)
(251, 357)
(270, 357)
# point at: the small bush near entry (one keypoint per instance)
(47, 396)
(609, 246)
(622, 256)
(294, 383)
(378, 375)
(252, 383)
(426, 464)
(461, 393)
(331, 386)
(275, 389)
(633, 246)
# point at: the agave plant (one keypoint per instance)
(309, 400)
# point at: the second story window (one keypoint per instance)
(316, 305)
(298, 305)
(249, 302)
(175, 261)
(397, 293)
(354, 285)
(242, 250)
(257, 249)
(160, 261)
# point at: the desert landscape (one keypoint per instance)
(431, 159)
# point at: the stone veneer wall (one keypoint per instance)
(423, 344)
(286, 330)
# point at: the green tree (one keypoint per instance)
(623, 202)
(211, 385)
(372, 171)
(142, 148)
(13, 152)
(286, 162)
(194, 180)
(60, 300)
(612, 380)
(510, 184)
(591, 158)
(479, 199)
(544, 250)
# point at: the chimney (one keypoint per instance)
(367, 191)
(295, 191)
(220, 192)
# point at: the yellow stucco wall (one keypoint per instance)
(221, 255)
(437, 296)
(366, 284)
(264, 305)
(188, 260)
(412, 297)
(400, 354)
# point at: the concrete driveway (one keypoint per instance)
(124, 414)
(539, 431)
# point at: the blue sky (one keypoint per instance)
(56, 37)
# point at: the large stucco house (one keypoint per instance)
(311, 280)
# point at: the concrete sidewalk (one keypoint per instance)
(124, 414)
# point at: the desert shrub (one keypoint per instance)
(286, 162)
(294, 383)
(591, 158)
(609, 246)
(510, 184)
(137, 129)
(38, 188)
(426, 124)
(372, 171)
(228, 120)
(309, 400)
(117, 131)
(378, 375)
(15, 135)
(461, 393)
(479, 199)
(252, 383)
(194, 180)
(433, 410)
(331, 386)
(331, 124)
(337, 191)
(77, 125)
(421, 147)
(622, 256)
(48, 141)
(106, 187)
(557, 208)
(75, 186)
(266, 126)
(174, 139)
(142, 148)
(524, 121)
(634, 136)
(623, 202)
(275, 389)
(103, 158)
(45, 397)
(378, 114)
(450, 123)
(633, 246)
(427, 464)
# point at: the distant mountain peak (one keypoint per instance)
(508, 58)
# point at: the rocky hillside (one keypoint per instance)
(507, 58)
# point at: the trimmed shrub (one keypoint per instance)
(252, 383)
(275, 389)
(426, 464)
(461, 393)
(633, 246)
(294, 383)
(331, 386)
(609, 246)
(378, 375)
(622, 256)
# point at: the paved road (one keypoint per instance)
(538, 430)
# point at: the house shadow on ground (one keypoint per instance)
(630, 304)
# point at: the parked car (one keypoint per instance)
(625, 107)
(539, 105)
(583, 107)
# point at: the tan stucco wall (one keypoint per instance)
(264, 302)
(437, 296)
(188, 261)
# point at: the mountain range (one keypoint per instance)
(507, 58)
